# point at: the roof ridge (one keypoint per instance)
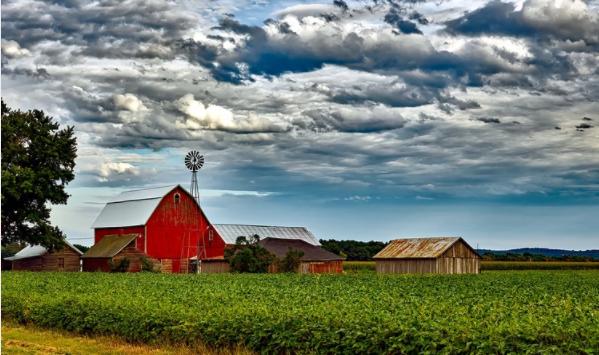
(150, 188)
(255, 225)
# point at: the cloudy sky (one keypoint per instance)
(358, 119)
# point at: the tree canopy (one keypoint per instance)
(38, 161)
(249, 256)
(353, 249)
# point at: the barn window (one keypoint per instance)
(177, 199)
(210, 236)
(61, 263)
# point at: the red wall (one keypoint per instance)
(96, 264)
(139, 243)
(173, 231)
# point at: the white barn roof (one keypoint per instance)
(131, 208)
(32, 251)
(230, 232)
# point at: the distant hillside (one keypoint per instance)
(553, 253)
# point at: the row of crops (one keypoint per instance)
(494, 312)
(498, 265)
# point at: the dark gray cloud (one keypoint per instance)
(571, 20)
(306, 105)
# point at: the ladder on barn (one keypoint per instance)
(189, 247)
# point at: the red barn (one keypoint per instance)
(168, 224)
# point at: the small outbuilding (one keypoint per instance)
(440, 255)
(111, 250)
(38, 258)
(314, 260)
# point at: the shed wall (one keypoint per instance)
(96, 264)
(406, 266)
(51, 262)
(458, 266)
(459, 250)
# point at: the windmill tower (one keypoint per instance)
(194, 162)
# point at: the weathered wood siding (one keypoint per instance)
(134, 256)
(215, 267)
(321, 267)
(459, 250)
(458, 266)
(406, 266)
(459, 259)
(314, 267)
(96, 264)
(65, 259)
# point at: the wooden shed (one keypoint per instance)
(314, 260)
(441, 255)
(38, 258)
(111, 249)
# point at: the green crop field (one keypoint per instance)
(494, 312)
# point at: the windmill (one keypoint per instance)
(194, 162)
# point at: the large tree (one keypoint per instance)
(38, 161)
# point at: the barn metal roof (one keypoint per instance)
(280, 247)
(416, 248)
(143, 194)
(230, 232)
(109, 246)
(32, 251)
(126, 213)
(131, 208)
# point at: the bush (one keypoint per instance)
(291, 261)
(121, 265)
(248, 256)
(147, 264)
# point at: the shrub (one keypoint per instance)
(120, 265)
(147, 264)
(248, 256)
(291, 261)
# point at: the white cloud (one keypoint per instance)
(12, 49)
(109, 169)
(571, 18)
(216, 117)
(129, 102)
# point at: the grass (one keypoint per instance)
(361, 266)
(19, 339)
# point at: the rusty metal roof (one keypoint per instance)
(416, 248)
(109, 246)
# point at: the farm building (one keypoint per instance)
(167, 226)
(314, 260)
(111, 250)
(444, 255)
(38, 258)
(277, 240)
(167, 222)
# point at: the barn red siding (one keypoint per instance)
(175, 230)
(99, 233)
(173, 233)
